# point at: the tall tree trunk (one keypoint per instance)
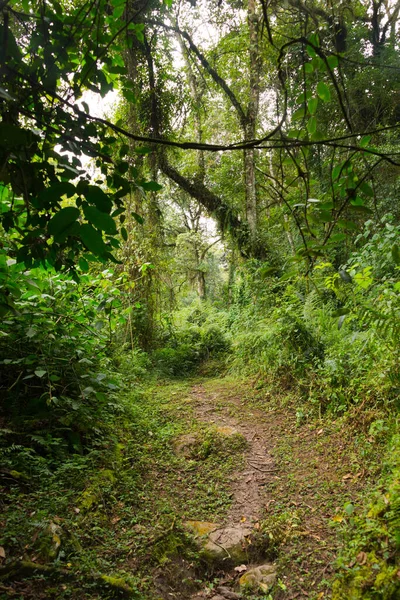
(251, 122)
(201, 284)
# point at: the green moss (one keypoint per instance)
(93, 492)
(117, 583)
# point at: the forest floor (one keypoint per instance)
(201, 456)
(290, 488)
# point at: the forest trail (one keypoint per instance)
(288, 493)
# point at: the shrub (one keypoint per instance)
(368, 567)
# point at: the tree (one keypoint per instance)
(280, 95)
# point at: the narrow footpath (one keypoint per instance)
(281, 534)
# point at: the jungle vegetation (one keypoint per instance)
(234, 209)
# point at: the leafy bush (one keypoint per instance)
(55, 361)
(198, 334)
(369, 565)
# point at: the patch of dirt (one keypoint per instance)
(247, 485)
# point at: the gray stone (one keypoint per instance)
(228, 544)
(186, 445)
(260, 578)
(50, 541)
(227, 593)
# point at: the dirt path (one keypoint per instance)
(247, 486)
(295, 481)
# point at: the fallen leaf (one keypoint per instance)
(115, 520)
(240, 568)
(320, 595)
(337, 518)
(2, 552)
(348, 476)
(256, 525)
(361, 558)
(243, 519)
(77, 510)
(320, 432)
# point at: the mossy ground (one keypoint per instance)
(121, 515)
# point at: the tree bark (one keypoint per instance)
(251, 122)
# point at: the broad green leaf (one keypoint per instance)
(299, 114)
(323, 91)
(314, 39)
(92, 239)
(336, 172)
(100, 219)
(318, 64)
(367, 189)
(338, 237)
(312, 105)
(12, 136)
(122, 167)
(124, 150)
(95, 195)
(151, 186)
(40, 373)
(309, 67)
(71, 230)
(303, 96)
(83, 264)
(129, 95)
(124, 234)
(137, 218)
(143, 150)
(51, 195)
(311, 52)
(357, 201)
(312, 125)
(345, 224)
(62, 219)
(332, 61)
(294, 133)
(317, 136)
(365, 141)
(396, 254)
(361, 209)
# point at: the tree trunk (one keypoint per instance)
(201, 285)
(251, 122)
